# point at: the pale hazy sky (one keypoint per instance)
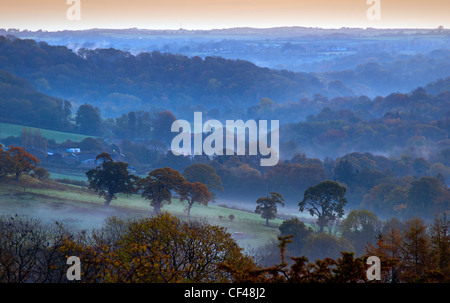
(208, 14)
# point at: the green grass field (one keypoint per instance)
(7, 130)
(67, 174)
(80, 209)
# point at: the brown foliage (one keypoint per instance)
(194, 193)
(343, 270)
(16, 160)
(159, 249)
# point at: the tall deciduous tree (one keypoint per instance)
(158, 186)
(325, 200)
(267, 206)
(205, 174)
(22, 161)
(110, 178)
(194, 193)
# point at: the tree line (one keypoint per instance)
(405, 186)
(112, 177)
(129, 81)
(410, 251)
(164, 248)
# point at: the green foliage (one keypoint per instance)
(324, 245)
(151, 76)
(90, 144)
(162, 127)
(423, 195)
(360, 227)
(326, 201)
(135, 124)
(139, 154)
(298, 230)
(88, 120)
(110, 178)
(16, 130)
(267, 206)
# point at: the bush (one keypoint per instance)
(30, 251)
(323, 245)
(41, 173)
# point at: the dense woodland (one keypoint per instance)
(118, 82)
(382, 149)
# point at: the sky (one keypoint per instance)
(51, 15)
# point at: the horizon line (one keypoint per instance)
(223, 29)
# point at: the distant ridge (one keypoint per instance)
(279, 31)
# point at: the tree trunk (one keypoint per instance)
(320, 228)
(157, 208)
(189, 208)
(108, 200)
(321, 223)
(267, 221)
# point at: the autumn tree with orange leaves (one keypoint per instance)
(194, 193)
(16, 161)
(158, 186)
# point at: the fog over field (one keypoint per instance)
(224, 154)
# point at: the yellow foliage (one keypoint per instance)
(161, 249)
